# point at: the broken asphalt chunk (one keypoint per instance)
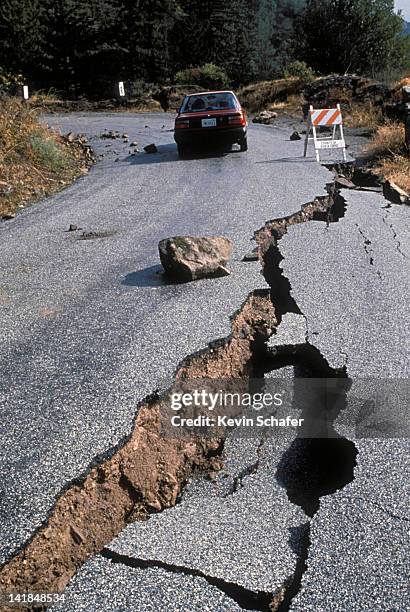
(395, 194)
(344, 183)
(112, 134)
(251, 256)
(70, 137)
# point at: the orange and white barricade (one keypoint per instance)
(329, 117)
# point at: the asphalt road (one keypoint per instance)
(358, 559)
(89, 328)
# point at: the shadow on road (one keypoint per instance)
(153, 276)
(169, 153)
(166, 153)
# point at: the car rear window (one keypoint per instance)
(211, 101)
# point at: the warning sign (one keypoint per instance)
(325, 117)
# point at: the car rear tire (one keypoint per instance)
(182, 150)
(244, 144)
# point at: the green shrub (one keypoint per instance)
(300, 70)
(8, 79)
(208, 76)
(48, 154)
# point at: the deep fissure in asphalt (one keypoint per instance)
(145, 475)
(310, 467)
(245, 598)
(114, 490)
(329, 209)
(315, 466)
(295, 581)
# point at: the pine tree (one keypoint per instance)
(219, 33)
(22, 35)
(82, 42)
(146, 29)
(360, 36)
(274, 23)
(193, 36)
(82, 46)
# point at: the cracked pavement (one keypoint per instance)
(353, 287)
(90, 329)
(358, 558)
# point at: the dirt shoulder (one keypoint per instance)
(35, 161)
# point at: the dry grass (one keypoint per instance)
(33, 160)
(267, 94)
(397, 170)
(292, 106)
(388, 140)
(363, 115)
(43, 97)
(393, 162)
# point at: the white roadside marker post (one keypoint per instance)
(329, 117)
(25, 92)
(121, 89)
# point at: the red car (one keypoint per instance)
(210, 117)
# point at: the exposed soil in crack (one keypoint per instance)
(145, 475)
(323, 208)
(245, 598)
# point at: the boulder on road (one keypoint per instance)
(265, 117)
(187, 258)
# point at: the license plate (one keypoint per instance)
(209, 122)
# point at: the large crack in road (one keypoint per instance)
(145, 475)
(311, 467)
(129, 486)
(247, 599)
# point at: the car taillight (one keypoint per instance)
(239, 119)
(181, 124)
